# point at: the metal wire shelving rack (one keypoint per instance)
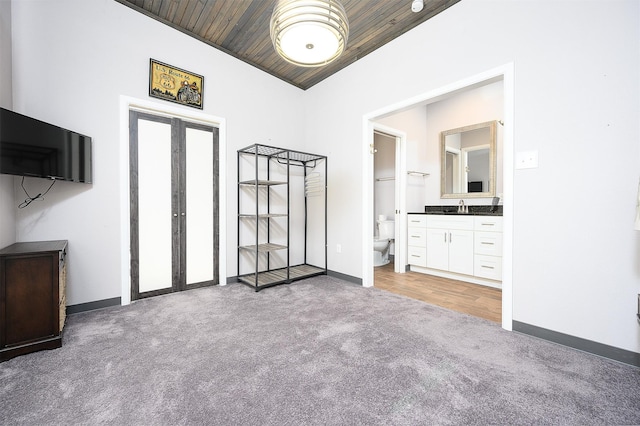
(257, 216)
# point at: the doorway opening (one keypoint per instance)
(503, 74)
(388, 151)
(385, 197)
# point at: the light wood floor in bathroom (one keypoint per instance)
(477, 300)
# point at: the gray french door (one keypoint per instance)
(173, 166)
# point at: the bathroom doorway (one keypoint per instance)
(384, 193)
(505, 74)
(389, 196)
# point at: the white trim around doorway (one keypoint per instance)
(504, 72)
(127, 103)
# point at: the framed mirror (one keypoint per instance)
(468, 161)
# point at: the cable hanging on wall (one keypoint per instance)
(29, 198)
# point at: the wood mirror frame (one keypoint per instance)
(480, 137)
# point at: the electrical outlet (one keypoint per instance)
(338, 248)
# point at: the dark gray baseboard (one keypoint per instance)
(605, 351)
(91, 306)
(350, 278)
(345, 277)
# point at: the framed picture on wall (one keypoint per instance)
(175, 85)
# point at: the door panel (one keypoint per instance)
(154, 206)
(199, 153)
(461, 252)
(437, 249)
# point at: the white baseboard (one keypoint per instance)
(454, 276)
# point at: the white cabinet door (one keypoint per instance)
(450, 243)
(461, 251)
(438, 249)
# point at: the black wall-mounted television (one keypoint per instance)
(30, 147)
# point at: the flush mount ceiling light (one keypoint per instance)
(309, 33)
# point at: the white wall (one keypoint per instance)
(73, 60)
(7, 206)
(575, 256)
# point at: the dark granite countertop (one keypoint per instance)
(453, 210)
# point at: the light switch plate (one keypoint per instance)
(527, 160)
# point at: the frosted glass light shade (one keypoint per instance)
(309, 33)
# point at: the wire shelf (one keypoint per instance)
(282, 154)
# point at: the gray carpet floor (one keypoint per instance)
(317, 352)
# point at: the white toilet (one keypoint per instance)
(382, 242)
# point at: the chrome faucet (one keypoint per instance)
(461, 206)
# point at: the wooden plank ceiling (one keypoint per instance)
(241, 29)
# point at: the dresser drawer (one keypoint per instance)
(488, 243)
(417, 256)
(489, 267)
(450, 222)
(417, 221)
(417, 237)
(488, 223)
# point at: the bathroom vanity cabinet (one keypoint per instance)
(465, 247)
(450, 243)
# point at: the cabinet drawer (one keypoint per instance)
(450, 222)
(488, 243)
(488, 223)
(417, 237)
(417, 256)
(489, 267)
(417, 221)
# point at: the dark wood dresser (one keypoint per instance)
(32, 297)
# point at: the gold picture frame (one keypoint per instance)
(175, 85)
